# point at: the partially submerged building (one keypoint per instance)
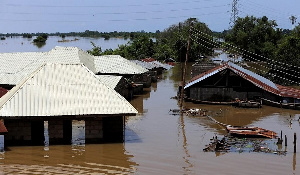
(117, 65)
(229, 81)
(17, 66)
(58, 94)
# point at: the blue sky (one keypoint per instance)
(18, 16)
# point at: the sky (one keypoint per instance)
(50, 16)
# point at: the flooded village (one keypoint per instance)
(65, 111)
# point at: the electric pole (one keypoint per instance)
(185, 63)
(234, 13)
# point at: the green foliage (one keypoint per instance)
(139, 48)
(96, 50)
(257, 35)
(288, 52)
(27, 35)
(41, 39)
(261, 38)
(172, 42)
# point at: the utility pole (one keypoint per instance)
(185, 63)
(234, 13)
(181, 68)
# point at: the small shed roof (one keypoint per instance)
(244, 73)
(115, 64)
(63, 89)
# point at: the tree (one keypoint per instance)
(139, 48)
(287, 65)
(96, 50)
(293, 20)
(172, 42)
(257, 35)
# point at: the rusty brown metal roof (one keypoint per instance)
(148, 59)
(3, 129)
(3, 91)
(289, 92)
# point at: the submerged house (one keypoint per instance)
(136, 77)
(119, 83)
(117, 65)
(16, 66)
(58, 94)
(229, 81)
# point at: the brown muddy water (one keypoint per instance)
(157, 142)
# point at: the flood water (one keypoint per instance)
(157, 142)
(20, 44)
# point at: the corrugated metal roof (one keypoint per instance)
(110, 80)
(146, 65)
(115, 64)
(204, 75)
(63, 89)
(289, 92)
(246, 74)
(3, 129)
(159, 64)
(3, 91)
(148, 59)
(17, 66)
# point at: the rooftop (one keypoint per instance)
(63, 89)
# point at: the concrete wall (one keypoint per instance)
(94, 131)
(98, 129)
(20, 132)
(104, 130)
(113, 129)
(60, 132)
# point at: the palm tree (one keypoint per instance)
(293, 20)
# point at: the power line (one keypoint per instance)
(210, 38)
(102, 6)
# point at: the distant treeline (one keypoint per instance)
(88, 33)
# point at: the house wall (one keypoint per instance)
(219, 94)
(60, 132)
(105, 130)
(98, 129)
(21, 132)
(94, 131)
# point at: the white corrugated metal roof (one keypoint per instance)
(16, 66)
(159, 64)
(204, 77)
(63, 89)
(115, 64)
(146, 65)
(110, 80)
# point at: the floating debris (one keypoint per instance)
(240, 131)
(232, 144)
(255, 132)
(193, 111)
